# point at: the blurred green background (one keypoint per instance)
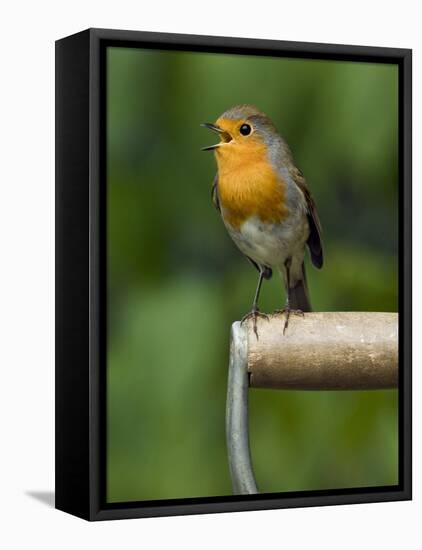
(176, 282)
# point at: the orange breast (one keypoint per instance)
(248, 185)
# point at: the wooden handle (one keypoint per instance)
(325, 351)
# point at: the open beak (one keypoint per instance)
(218, 130)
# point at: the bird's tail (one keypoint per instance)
(299, 294)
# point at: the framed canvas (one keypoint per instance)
(181, 386)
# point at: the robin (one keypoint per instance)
(265, 204)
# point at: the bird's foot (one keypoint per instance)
(287, 311)
(254, 314)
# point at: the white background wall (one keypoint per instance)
(27, 37)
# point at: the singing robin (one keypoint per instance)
(265, 203)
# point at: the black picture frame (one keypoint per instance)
(81, 273)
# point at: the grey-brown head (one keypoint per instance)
(242, 122)
(244, 126)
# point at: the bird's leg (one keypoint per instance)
(255, 313)
(287, 309)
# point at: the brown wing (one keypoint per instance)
(315, 236)
(214, 193)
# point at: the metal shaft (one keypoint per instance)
(237, 428)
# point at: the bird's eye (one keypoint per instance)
(245, 129)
